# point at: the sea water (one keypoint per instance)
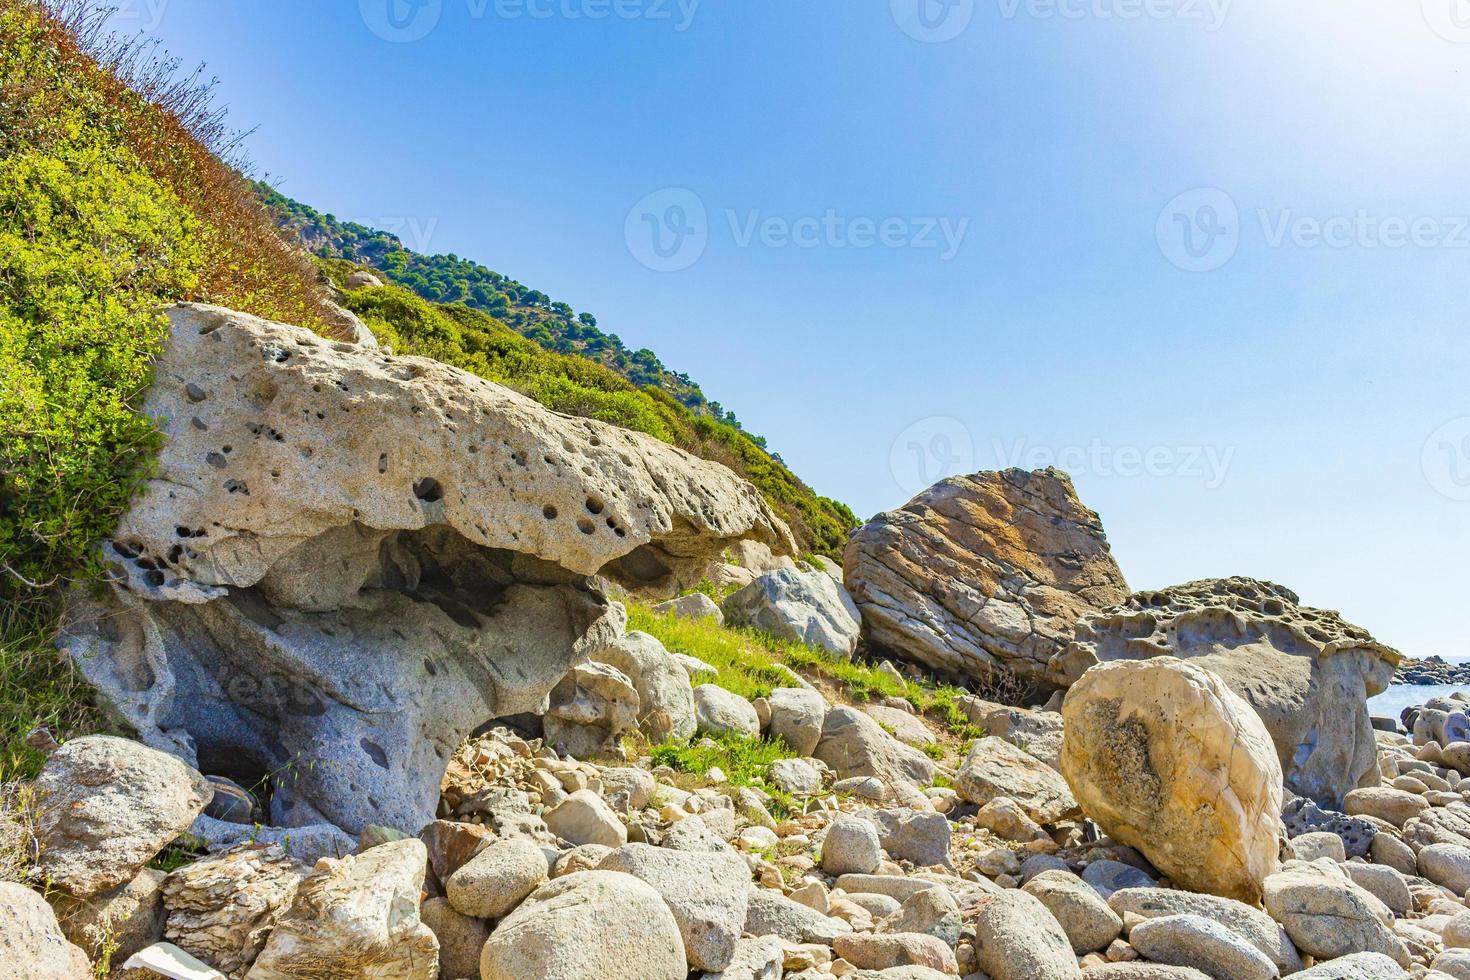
(1400, 696)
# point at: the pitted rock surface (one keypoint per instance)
(348, 560)
(983, 573)
(1306, 672)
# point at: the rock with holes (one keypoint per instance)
(1306, 672)
(106, 807)
(807, 607)
(665, 695)
(1167, 759)
(983, 575)
(347, 560)
(357, 917)
(590, 707)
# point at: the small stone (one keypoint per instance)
(461, 938)
(1087, 920)
(583, 818)
(851, 846)
(496, 880)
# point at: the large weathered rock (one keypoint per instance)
(589, 924)
(223, 908)
(1019, 939)
(589, 708)
(707, 893)
(1306, 672)
(1255, 926)
(348, 560)
(357, 917)
(797, 715)
(1328, 916)
(31, 941)
(1166, 758)
(108, 806)
(1195, 941)
(1038, 732)
(995, 768)
(808, 607)
(665, 696)
(983, 572)
(855, 745)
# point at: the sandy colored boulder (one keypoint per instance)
(1166, 758)
(31, 942)
(1327, 916)
(461, 938)
(601, 924)
(1087, 920)
(706, 892)
(356, 917)
(495, 881)
(983, 575)
(106, 807)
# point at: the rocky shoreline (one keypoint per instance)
(1432, 670)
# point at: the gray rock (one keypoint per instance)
(851, 846)
(1193, 940)
(1087, 920)
(1446, 864)
(1108, 876)
(590, 924)
(1384, 883)
(921, 837)
(1356, 966)
(719, 712)
(995, 767)
(1020, 940)
(460, 938)
(707, 893)
(904, 725)
(932, 911)
(695, 605)
(1327, 916)
(1143, 971)
(1253, 925)
(106, 807)
(121, 921)
(755, 959)
(769, 913)
(796, 717)
(356, 917)
(1388, 850)
(896, 950)
(795, 776)
(806, 607)
(346, 602)
(854, 745)
(583, 818)
(589, 708)
(1302, 816)
(307, 844)
(1453, 963)
(901, 887)
(496, 880)
(1038, 733)
(665, 696)
(31, 942)
(1319, 844)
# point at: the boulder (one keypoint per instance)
(1087, 920)
(932, 911)
(1306, 672)
(721, 712)
(707, 893)
(356, 917)
(1392, 805)
(1107, 876)
(917, 836)
(665, 696)
(881, 952)
(855, 745)
(983, 575)
(348, 560)
(590, 707)
(1143, 971)
(755, 959)
(796, 777)
(583, 818)
(906, 727)
(1006, 818)
(769, 913)
(1327, 916)
(1383, 883)
(695, 605)
(497, 879)
(222, 909)
(461, 938)
(1318, 844)
(851, 846)
(1020, 940)
(1167, 759)
(118, 922)
(107, 806)
(31, 942)
(995, 767)
(804, 607)
(1038, 732)
(451, 844)
(797, 715)
(1446, 864)
(1246, 921)
(1193, 940)
(590, 924)
(1357, 966)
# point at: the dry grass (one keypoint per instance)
(18, 844)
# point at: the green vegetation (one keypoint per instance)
(109, 208)
(476, 341)
(743, 758)
(752, 663)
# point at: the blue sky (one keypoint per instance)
(1211, 256)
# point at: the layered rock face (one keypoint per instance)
(1306, 672)
(983, 572)
(349, 560)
